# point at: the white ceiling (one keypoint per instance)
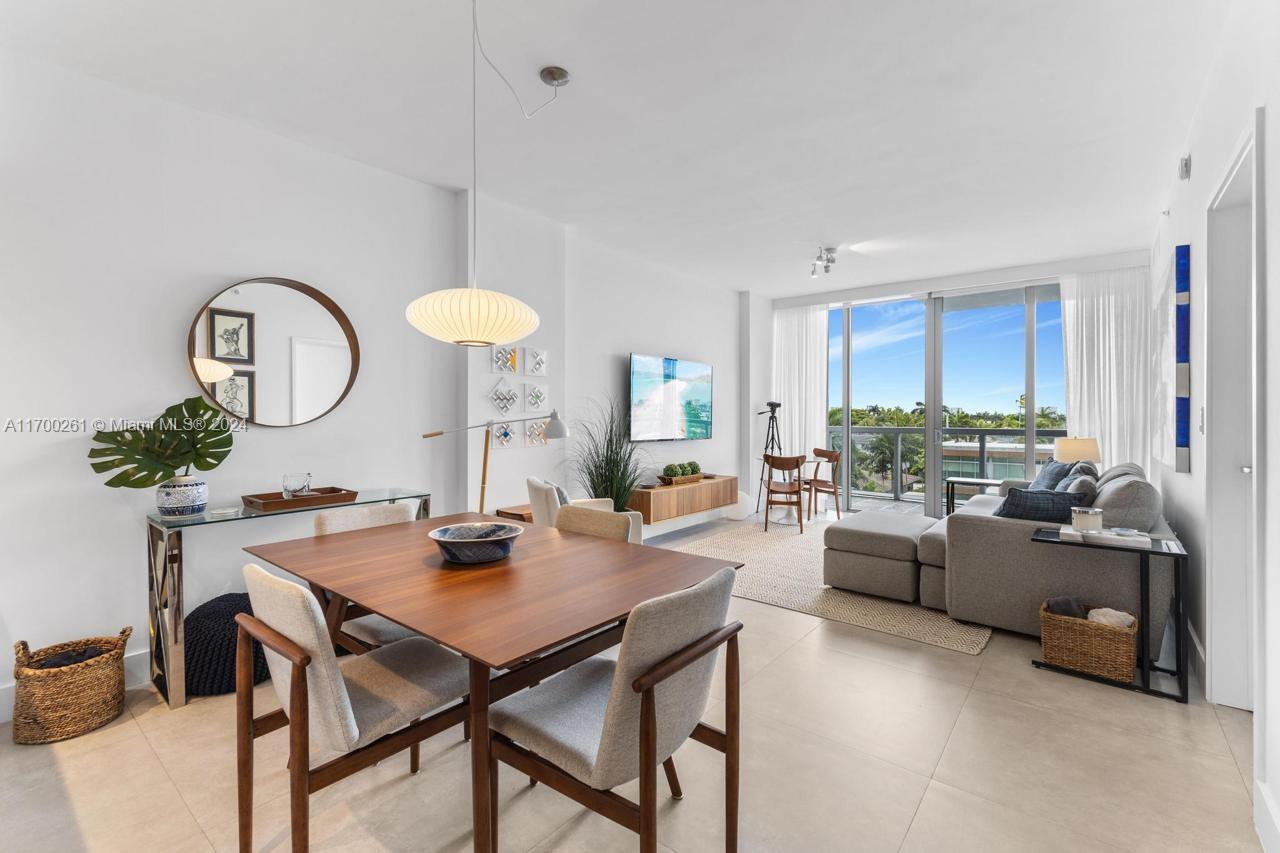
(726, 139)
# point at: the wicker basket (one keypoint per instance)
(66, 701)
(1091, 647)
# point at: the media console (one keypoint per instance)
(662, 503)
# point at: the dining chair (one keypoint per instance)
(367, 707)
(789, 491)
(594, 522)
(602, 723)
(547, 499)
(816, 484)
(367, 630)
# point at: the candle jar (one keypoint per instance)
(295, 484)
(1086, 519)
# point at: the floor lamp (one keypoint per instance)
(556, 428)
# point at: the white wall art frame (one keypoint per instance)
(503, 435)
(535, 362)
(535, 434)
(504, 398)
(504, 359)
(536, 398)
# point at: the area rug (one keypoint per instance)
(784, 567)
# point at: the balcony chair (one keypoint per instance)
(545, 500)
(602, 723)
(790, 491)
(816, 484)
(368, 707)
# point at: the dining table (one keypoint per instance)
(556, 600)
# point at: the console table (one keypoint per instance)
(952, 482)
(661, 503)
(166, 605)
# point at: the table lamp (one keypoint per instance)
(1076, 449)
(556, 428)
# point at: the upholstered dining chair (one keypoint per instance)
(367, 707)
(545, 501)
(367, 630)
(787, 492)
(816, 484)
(602, 723)
(594, 522)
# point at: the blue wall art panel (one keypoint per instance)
(1182, 359)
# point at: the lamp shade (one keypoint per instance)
(1076, 449)
(471, 317)
(556, 428)
(211, 370)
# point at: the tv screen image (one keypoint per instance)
(670, 399)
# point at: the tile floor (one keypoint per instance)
(852, 740)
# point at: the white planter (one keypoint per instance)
(182, 496)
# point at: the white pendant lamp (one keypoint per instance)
(472, 316)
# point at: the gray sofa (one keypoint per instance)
(982, 568)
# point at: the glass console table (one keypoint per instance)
(166, 606)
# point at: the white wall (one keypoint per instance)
(1246, 75)
(618, 304)
(120, 215)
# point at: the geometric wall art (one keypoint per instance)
(535, 434)
(503, 435)
(535, 362)
(535, 397)
(505, 359)
(1182, 359)
(503, 397)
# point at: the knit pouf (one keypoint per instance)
(211, 646)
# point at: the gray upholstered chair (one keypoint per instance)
(368, 706)
(594, 522)
(602, 723)
(368, 631)
(545, 501)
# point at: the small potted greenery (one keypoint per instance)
(678, 473)
(190, 433)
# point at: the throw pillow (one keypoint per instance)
(1040, 505)
(1084, 485)
(1080, 469)
(1051, 473)
(561, 495)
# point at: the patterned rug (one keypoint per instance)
(784, 568)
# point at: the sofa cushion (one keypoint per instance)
(1051, 473)
(1127, 500)
(1124, 469)
(932, 547)
(1040, 505)
(890, 535)
(982, 504)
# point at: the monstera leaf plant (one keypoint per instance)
(190, 433)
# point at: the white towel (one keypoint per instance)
(1114, 618)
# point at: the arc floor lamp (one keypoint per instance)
(556, 428)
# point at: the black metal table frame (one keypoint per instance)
(1145, 665)
(952, 482)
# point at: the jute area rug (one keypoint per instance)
(784, 567)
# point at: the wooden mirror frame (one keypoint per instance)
(344, 322)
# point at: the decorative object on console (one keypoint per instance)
(1182, 359)
(554, 428)
(607, 461)
(188, 433)
(53, 703)
(679, 473)
(504, 359)
(305, 361)
(479, 542)
(293, 485)
(1086, 519)
(279, 501)
(535, 397)
(503, 397)
(230, 335)
(535, 362)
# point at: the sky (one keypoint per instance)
(983, 356)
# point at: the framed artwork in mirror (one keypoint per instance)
(237, 394)
(231, 335)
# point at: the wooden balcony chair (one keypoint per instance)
(606, 524)
(816, 484)
(790, 491)
(602, 723)
(368, 707)
(361, 630)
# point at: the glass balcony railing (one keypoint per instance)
(889, 461)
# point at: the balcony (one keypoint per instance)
(888, 461)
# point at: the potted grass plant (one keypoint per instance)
(605, 461)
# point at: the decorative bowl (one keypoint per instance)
(478, 542)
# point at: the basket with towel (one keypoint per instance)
(1089, 638)
(66, 690)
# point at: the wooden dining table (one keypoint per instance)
(558, 599)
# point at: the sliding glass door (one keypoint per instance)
(944, 386)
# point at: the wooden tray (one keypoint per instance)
(681, 480)
(276, 501)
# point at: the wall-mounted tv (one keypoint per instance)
(670, 399)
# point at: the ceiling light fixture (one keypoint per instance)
(826, 258)
(472, 316)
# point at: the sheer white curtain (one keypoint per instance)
(1107, 331)
(800, 377)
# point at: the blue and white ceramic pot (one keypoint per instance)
(182, 496)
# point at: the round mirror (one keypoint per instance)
(273, 352)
